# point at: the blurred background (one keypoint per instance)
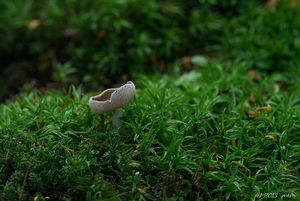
(93, 43)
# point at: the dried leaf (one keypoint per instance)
(266, 108)
(271, 137)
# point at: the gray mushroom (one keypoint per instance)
(113, 99)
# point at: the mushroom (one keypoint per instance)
(113, 99)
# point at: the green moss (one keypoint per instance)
(185, 138)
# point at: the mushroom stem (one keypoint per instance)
(116, 121)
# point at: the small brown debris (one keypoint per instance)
(33, 24)
(138, 147)
(253, 75)
(271, 4)
(250, 114)
(233, 141)
(266, 108)
(247, 104)
(101, 34)
(107, 122)
(293, 3)
(265, 97)
(142, 190)
(186, 62)
(253, 98)
(239, 163)
(271, 137)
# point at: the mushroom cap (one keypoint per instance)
(112, 99)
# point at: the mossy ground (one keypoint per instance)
(215, 133)
(220, 121)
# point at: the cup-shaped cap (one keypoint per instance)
(113, 98)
